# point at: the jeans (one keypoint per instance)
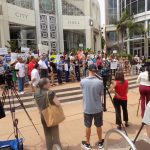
(59, 76)
(21, 84)
(67, 76)
(145, 97)
(77, 72)
(118, 104)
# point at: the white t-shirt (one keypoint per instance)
(143, 79)
(21, 67)
(42, 64)
(35, 75)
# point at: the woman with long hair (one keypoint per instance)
(120, 89)
(51, 133)
(144, 88)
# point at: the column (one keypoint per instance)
(89, 38)
(60, 36)
(4, 25)
(146, 41)
(37, 21)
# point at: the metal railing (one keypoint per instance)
(132, 146)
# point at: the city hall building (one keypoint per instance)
(140, 9)
(62, 25)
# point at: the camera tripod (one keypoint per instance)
(10, 93)
(104, 102)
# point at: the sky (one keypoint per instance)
(102, 8)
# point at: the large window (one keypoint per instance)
(134, 6)
(148, 4)
(22, 3)
(141, 6)
(112, 36)
(112, 12)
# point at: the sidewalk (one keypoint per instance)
(72, 129)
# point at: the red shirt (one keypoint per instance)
(30, 67)
(121, 89)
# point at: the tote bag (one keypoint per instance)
(53, 114)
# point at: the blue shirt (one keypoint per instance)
(60, 65)
(92, 89)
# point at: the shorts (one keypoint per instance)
(98, 119)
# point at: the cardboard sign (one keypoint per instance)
(43, 49)
(3, 51)
(113, 65)
(25, 49)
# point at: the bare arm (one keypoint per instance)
(148, 130)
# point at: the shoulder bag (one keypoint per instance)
(53, 114)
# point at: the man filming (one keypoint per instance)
(92, 89)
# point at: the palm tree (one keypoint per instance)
(127, 24)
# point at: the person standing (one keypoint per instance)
(144, 88)
(20, 67)
(31, 66)
(60, 67)
(77, 69)
(35, 77)
(43, 67)
(92, 89)
(51, 133)
(120, 89)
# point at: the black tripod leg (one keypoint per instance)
(22, 105)
(142, 126)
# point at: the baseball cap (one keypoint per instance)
(92, 68)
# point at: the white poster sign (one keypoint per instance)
(3, 51)
(81, 45)
(113, 65)
(14, 57)
(25, 49)
(43, 49)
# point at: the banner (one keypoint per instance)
(25, 49)
(43, 49)
(3, 51)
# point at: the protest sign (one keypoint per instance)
(14, 57)
(43, 49)
(113, 65)
(25, 49)
(3, 51)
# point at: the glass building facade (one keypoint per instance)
(137, 42)
(112, 12)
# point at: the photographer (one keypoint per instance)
(92, 89)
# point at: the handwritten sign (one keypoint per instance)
(113, 65)
(25, 49)
(43, 49)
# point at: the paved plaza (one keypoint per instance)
(72, 129)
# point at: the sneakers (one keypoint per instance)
(85, 145)
(101, 144)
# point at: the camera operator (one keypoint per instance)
(92, 89)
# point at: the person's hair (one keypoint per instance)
(120, 76)
(148, 69)
(43, 82)
(36, 65)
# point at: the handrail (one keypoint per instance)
(120, 133)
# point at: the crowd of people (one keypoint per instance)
(64, 68)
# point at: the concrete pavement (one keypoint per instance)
(72, 130)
